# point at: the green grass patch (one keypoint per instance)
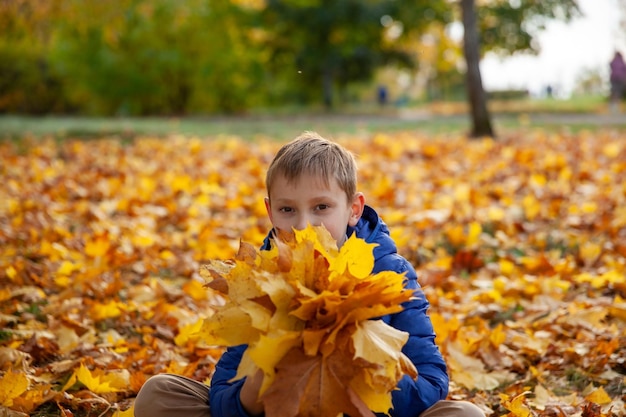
(450, 118)
(247, 127)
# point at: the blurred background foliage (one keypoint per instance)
(181, 57)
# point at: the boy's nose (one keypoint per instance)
(302, 223)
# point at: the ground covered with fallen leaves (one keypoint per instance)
(520, 245)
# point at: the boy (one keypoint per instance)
(314, 181)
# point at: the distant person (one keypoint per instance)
(382, 95)
(618, 80)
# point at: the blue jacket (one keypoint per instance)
(412, 397)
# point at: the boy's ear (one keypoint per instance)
(268, 208)
(357, 206)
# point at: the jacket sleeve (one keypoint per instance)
(414, 396)
(224, 393)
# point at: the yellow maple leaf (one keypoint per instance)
(590, 252)
(455, 234)
(97, 246)
(12, 385)
(612, 150)
(107, 310)
(10, 272)
(321, 241)
(532, 207)
(618, 308)
(99, 381)
(473, 233)
(229, 326)
(377, 342)
(36, 395)
(516, 405)
(188, 333)
(195, 289)
(355, 257)
(181, 183)
(612, 276)
(64, 273)
(446, 327)
(598, 396)
(269, 350)
(143, 238)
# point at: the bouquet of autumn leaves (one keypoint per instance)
(305, 309)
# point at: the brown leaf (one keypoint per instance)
(313, 386)
(214, 273)
(247, 253)
(467, 260)
(285, 256)
(41, 349)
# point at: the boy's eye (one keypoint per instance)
(285, 209)
(321, 207)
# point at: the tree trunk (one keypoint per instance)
(481, 121)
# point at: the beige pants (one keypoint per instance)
(168, 395)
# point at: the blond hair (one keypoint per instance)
(312, 154)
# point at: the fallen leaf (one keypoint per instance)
(12, 386)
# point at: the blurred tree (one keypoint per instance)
(320, 45)
(231, 66)
(481, 120)
(441, 65)
(506, 27)
(156, 57)
(27, 82)
(510, 26)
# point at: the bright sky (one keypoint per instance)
(587, 42)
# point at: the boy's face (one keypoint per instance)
(293, 205)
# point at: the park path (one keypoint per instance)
(596, 119)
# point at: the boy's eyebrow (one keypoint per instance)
(315, 199)
(281, 199)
